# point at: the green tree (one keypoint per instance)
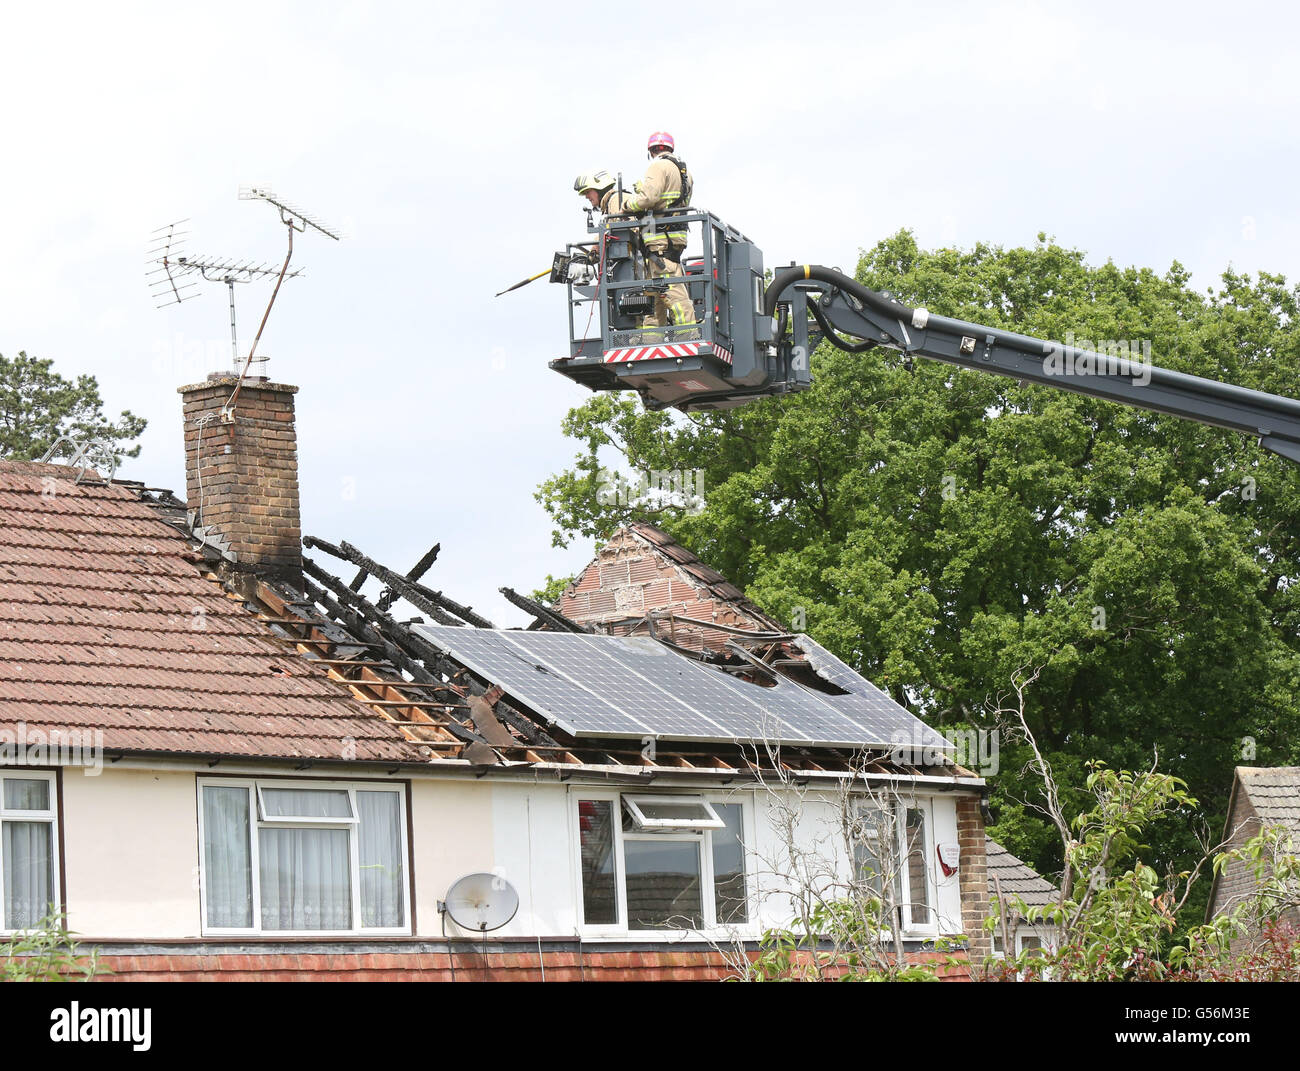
(941, 528)
(37, 406)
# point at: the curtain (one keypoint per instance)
(28, 872)
(305, 879)
(381, 858)
(26, 794)
(306, 803)
(227, 858)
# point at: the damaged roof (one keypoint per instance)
(108, 624)
(642, 569)
(120, 618)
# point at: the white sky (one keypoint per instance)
(445, 141)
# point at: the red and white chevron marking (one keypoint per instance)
(668, 350)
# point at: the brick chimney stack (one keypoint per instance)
(241, 476)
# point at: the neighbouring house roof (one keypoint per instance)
(1015, 877)
(109, 624)
(1273, 792)
(1261, 796)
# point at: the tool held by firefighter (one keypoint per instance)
(753, 340)
(523, 282)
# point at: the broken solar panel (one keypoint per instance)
(873, 705)
(615, 686)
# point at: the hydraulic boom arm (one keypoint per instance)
(839, 303)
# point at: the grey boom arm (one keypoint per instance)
(840, 303)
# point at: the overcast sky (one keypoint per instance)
(445, 141)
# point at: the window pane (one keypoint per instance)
(868, 832)
(380, 845)
(306, 803)
(27, 794)
(918, 881)
(659, 810)
(227, 857)
(305, 879)
(28, 872)
(596, 830)
(729, 901)
(663, 884)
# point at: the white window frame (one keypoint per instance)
(304, 819)
(50, 816)
(710, 820)
(254, 787)
(696, 832)
(926, 806)
(896, 809)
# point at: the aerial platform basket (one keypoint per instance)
(721, 360)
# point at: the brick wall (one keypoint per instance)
(972, 874)
(248, 469)
(1236, 883)
(515, 962)
(630, 578)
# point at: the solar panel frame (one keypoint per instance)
(670, 712)
(633, 687)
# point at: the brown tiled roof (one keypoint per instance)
(1016, 878)
(1274, 793)
(107, 623)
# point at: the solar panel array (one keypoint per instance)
(615, 686)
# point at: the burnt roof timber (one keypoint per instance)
(544, 613)
(431, 602)
(410, 647)
(391, 650)
(387, 597)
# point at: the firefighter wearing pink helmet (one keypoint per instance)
(667, 185)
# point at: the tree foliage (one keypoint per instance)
(941, 528)
(37, 406)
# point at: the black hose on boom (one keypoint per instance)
(828, 332)
(787, 276)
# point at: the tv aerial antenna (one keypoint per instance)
(175, 279)
(166, 279)
(174, 275)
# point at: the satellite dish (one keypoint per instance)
(481, 902)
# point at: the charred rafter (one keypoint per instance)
(542, 613)
(434, 603)
(411, 652)
(389, 596)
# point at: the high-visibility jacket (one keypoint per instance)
(611, 205)
(659, 191)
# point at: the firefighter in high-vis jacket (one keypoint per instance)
(598, 188)
(667, 185)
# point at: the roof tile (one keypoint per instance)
(108, 625)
